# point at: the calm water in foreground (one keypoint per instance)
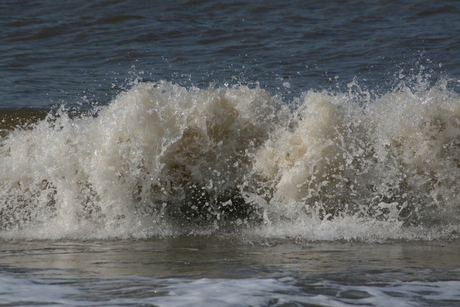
(215, 271)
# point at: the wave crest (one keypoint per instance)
(163, 159)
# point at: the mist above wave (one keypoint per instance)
(162, 159)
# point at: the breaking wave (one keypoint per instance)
(163, 160)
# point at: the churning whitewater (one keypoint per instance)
(163, 160)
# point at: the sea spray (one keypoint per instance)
(394, 158)
(158, 152)
(162, 159)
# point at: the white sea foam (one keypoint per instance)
(162, 159)
(223, 292)
(260, 292)
(17, 291)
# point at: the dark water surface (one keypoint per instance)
(80, 52)
(229, 153)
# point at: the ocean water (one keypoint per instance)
(237, 153)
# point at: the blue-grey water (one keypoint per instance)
(234, 153)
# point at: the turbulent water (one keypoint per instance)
(258, 153)
(162, 159)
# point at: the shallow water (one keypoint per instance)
(229, 154)
(226, 271)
